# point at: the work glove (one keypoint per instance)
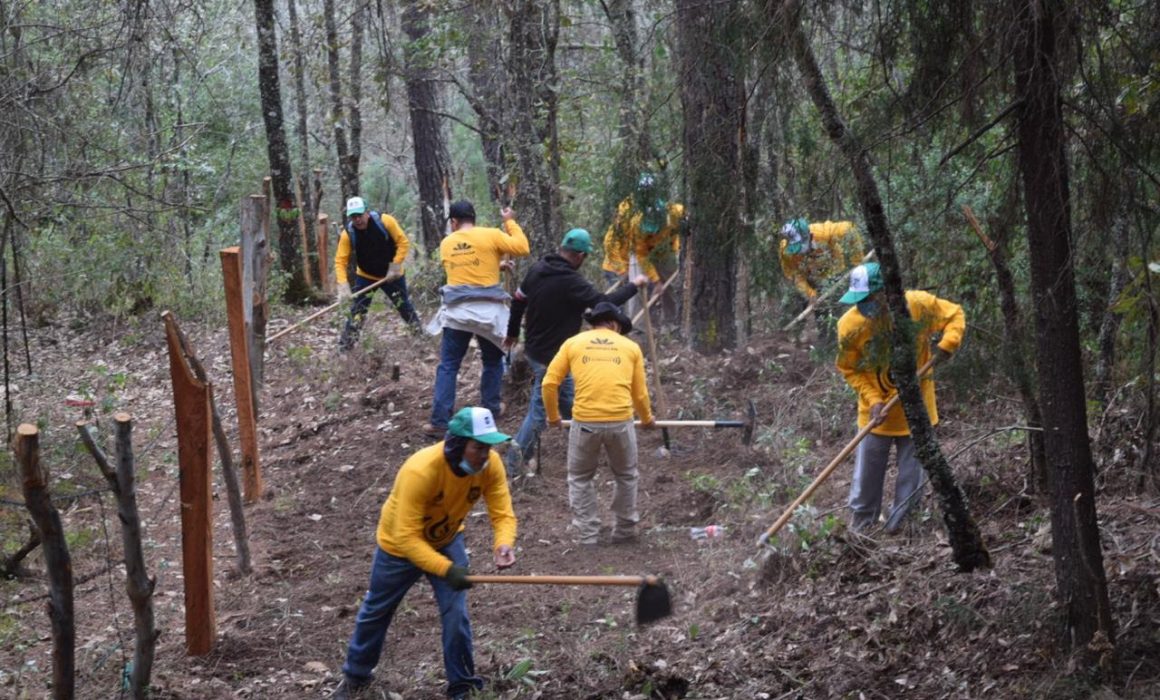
(394, 271)
(457, 578)
(343, 292)
(640, 281)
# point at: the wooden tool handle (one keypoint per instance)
(567, 580)
(686, 423)
(316, 314)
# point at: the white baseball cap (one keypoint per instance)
(355, 205)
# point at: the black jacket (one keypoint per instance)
(555, 296)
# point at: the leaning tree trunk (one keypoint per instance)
(1079, 565)
(710, 53)
(534, 31)
(966, 542)
(487, 82)
(431, 158)
(281, 177)
(1015, 342)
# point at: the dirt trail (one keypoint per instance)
(832, 616)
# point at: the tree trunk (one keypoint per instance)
(284, 208)
(1079, 566)
(966, 542)
(347, 178)
(713, 103)
(534, 31)
(309, 212)
(633, 136)
(431, 157)
(488, 82)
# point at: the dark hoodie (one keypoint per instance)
(555, 297)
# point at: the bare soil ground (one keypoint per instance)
(828, 614)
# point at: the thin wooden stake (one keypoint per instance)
(321, 244)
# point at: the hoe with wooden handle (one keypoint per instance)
(316, 314)
(745, 425)
(825, 473)
(653, 601)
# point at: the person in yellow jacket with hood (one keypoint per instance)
(379, 246)
(813, 253)
(864, 361)
(420, 533)
(648, 228)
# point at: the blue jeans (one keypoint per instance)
(396, 292)
(451, 352)
(391, 578)
(537, 418)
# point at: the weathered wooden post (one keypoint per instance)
(191, 403)
(56, 560)
(255, 267)
(306, 271)
(243, 380)
(321, 242)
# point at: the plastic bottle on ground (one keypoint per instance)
(707, 532)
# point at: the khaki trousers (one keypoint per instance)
(585, 441)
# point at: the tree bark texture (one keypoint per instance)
(967, 546)
(284, 207)
(489, 84)
(432, 162)
(534, 30)
(57, 561)
(138, 584)
(712, 100)
(306, 195)
(633, 136)
(1079, 567)
(347, 178)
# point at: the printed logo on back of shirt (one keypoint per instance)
(462, 246)
(585, 359)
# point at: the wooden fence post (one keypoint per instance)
(255, 268)
(243, 380)
(138, 584)
(321, 243)
(56, 561)
(192, 407)
(306, 271)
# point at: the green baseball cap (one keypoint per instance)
(478, 424)
(864, 281)
(577, 240)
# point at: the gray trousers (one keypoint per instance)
(585, 442)
(870, 476)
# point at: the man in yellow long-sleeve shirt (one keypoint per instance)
(380, 246)
(608, 370)
(474, 304)
(420, 532)
(864, 361)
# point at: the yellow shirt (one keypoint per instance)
(343, 251)
(864, 355)
(608, 370)
(472, 255)
(624, 235)
(428, 504)
(836, 248)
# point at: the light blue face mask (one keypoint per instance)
(869, 307)
(466, 467)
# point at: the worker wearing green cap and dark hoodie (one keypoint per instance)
(551, 300)
(420, 532)
(864, 360)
